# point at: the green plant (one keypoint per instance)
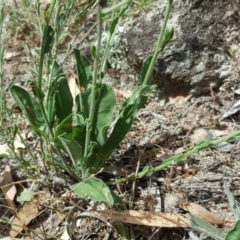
(82, 134)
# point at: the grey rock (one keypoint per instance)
(198, 55)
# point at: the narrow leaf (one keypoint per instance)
(63, 97)
(84, 70)
(94, 188)
(51, 109)
(127, 114)
(49, 40)
(105, 106)
(94, 51)
(203, 226)
(113, 25)
(167, 38)
(71, 128)
(145, 68)
(233, 204)
(29, 106)
(74, 150)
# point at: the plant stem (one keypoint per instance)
(94, 89)
(177, 159)
(1, 65)
(44, 42)
(159, 44)
(47, 16)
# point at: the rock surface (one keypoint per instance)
(199, 53)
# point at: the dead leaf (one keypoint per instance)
(9, 189)
(28, 212)
(74, 89)
(146, 218)
(201, 212)
(9, 55)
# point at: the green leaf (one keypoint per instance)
(203, 226)
(84, 76)
(104, 110)
(232, 202)
(145, 68)
(51, 109)
(63, 96)
(167, 38)
(234, 233)
(115, 21)
(74, 150)
(94, 188)
(84, 70)
(29, 106)
(25, 196)
(124, 122)
(72, 128)
(36, 91)
(49, 40)
(94, 51)
(113, 25)
(105, 107)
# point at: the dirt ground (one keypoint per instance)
(162, 129)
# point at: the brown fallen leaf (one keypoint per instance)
(9, 55)
(9, 189)
(28, 212)
(146, 218)
(201, 212)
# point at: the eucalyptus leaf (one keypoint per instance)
(94, 188)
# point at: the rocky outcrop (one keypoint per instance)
(198, 55)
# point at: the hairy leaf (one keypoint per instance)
(74, 150)
(63, 97)
(94, 188)
(72, 128)
(124, 122)
(29, 106)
